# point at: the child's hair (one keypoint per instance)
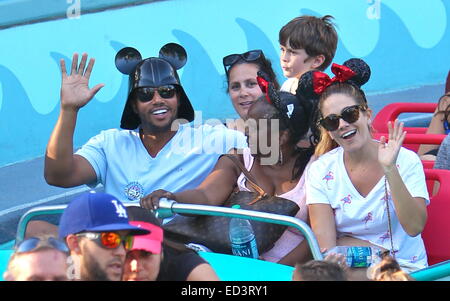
(315, 35)
(320, 270)
(389, 270)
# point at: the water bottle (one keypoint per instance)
(358, 257)
(242, 238)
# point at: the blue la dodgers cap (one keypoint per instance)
(96, 212)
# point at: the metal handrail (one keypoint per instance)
(27, 216)
(168, 208)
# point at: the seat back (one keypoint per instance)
(427, 164)
(413, 141)
(391, 112)
(436, 234)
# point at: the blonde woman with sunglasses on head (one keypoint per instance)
(363, 192)
(40, 258)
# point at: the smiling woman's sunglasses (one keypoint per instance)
(348, 114)
(249, 56)
(109, 240)
(146, 94)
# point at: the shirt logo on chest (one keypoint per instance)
(134, 191)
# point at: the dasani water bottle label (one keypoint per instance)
(247, 249)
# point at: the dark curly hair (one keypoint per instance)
(315, 35)
(294, 116)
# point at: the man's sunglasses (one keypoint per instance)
(34, 243)
(109, 240)
(348, 114)
(249, 56)
(146, 94)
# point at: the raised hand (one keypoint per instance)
(388, 152)
(151, 201)
(75, 92)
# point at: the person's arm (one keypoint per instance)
(203, 272)
(62, 167)
(320, 212)
(214, 190)
(442, 161)
(436, 127)
(300, 254)
(323, 224)
(443, 155)
(411, 211)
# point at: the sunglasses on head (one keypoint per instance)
(249, 56)
(146, 94)
(33, 243)
(109, 240)
(348, 114)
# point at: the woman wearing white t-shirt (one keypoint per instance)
(363, 192)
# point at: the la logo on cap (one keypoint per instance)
(121, 212)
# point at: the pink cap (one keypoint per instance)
(148, 242)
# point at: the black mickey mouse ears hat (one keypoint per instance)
(153, 72)
(354, 71)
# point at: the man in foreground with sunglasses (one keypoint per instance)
(96, 229)
(41, 258)
(151, 151)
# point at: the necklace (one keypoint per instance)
(386, 198)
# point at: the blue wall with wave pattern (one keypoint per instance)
(407, 45)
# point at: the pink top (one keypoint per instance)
(290, 237)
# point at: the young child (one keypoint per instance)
(331, 268)
(388, 269)
(306, 43)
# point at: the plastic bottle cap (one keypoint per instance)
(236, 206)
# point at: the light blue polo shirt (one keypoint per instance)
(127, 171)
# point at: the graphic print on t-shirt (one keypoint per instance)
(328, 177)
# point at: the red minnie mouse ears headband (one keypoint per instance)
(354, 71)
(266, 86)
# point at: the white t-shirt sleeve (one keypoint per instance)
(219, 139)
(238, 140)
(315, 188)
(94, 152)
(411, 171)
